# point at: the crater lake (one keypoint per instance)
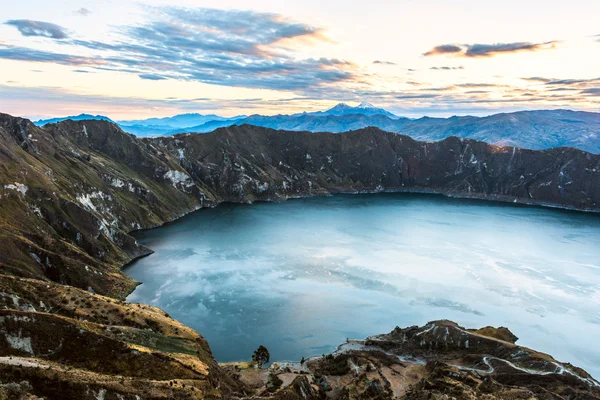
(303, 275)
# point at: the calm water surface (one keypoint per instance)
(302, 276)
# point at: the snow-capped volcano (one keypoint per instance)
(363, 108)
(364, 104)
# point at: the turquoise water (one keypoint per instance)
(302, 276)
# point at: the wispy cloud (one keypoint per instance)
(27, 54)
(446, 68)
(152, 77)
(475, 85)
(222, 47)
(571, 81)
(537, 79)
(444, 49)
(384, 62)
(82, 11)
(592, 91)
(489, 50)
(416, 96)
(28, 27)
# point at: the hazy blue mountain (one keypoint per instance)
(174, 122)
(210, 126)
(527, 129)
(79, 117)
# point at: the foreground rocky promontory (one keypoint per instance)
(440, 360)
(70, 194)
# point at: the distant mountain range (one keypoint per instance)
(80, 117)
(527, 129)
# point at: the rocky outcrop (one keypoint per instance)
(440, 360)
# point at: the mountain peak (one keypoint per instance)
(363, 108)
(341, 106)
(364, 104)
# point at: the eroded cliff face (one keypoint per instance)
(71, 192)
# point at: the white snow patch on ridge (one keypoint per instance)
(86, 199)
(19, 187)
(119, 183)
(179, 178)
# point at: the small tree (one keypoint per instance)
(261, 356)
(302, 361)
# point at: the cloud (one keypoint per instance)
(384, 62)
(221, 47)
(82, 11)
(417, 96)
(29, 27)
(444, 49)
(591, 92)
(489, 50)
(572, 81)
(228, 31)
(446, 68)
(26, 54)
(152, 77)
(475, 85)
(537, 79)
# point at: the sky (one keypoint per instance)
(133, 59)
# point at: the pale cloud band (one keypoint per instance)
(489, 50)
(29, 27)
